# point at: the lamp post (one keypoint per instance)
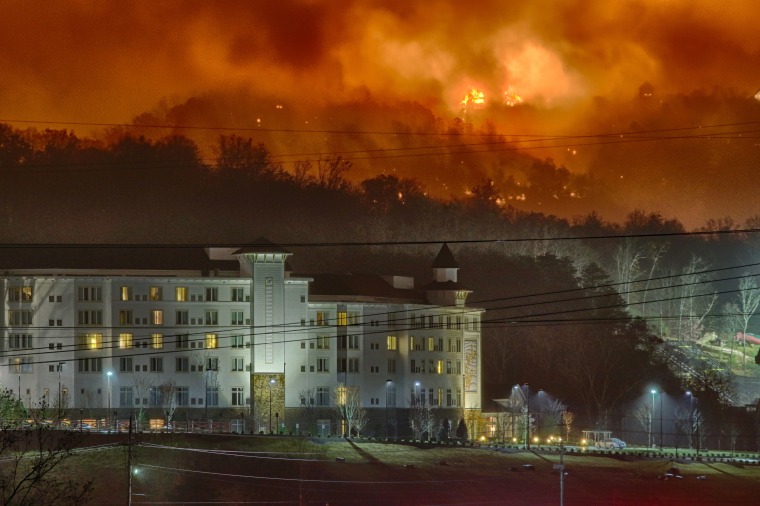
(694, 420)
(527, 417)
(387, 384)
(108, 394)
(526, 396)
(691, 417)
(60, 366)
(651, 419)
(271, 382)
(417, 402)
(662, 443)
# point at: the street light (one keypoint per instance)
(60, 366)
(654, 392)
(418, 398)
(527, 416)
(271, 382)
(108, 394)
(693, 399)
(387, 384)
(526, 396)
(651, 419)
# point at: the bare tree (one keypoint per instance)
(643, 415)
(682, 426)
(307, 414)
(361, 420)
(35, 459)
(330, 173)
(733, 432)
(567, 421)
(501, 351)
(627, 258)
(348, 406)
(421, 417)
(553, 408)
(749, 300)
(694, 306)
(142, 384)
(168, 399)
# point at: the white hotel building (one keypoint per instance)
(231, 333)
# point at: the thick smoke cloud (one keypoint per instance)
(577, 66)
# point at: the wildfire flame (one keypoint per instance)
(511, 98)
(474, 97)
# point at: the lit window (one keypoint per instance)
(157, 317)
(321, 318)
(90, 341)
(157, 341)
(125, 341)
(156, 293)
(342, 319)
(126, 293)
(20, 294)
(212, 341)
(391, 343)
(341, 395)
(21, 364)
(181, 293)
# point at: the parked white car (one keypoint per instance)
(612, 443)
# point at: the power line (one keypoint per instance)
(333, 244)
(520, 320)
(620, 137)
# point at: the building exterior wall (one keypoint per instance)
(244, 346)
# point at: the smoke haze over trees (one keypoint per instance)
(590, 320)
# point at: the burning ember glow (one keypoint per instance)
(511, 98)
(474, 97)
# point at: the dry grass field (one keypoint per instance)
(221, 469)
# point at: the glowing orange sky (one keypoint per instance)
(94, 61)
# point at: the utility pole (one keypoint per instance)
(562, 475)
(129, 463)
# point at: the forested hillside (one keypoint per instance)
(591, 311)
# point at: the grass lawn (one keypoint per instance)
(189, 469)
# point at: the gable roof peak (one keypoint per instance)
(445, 259)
